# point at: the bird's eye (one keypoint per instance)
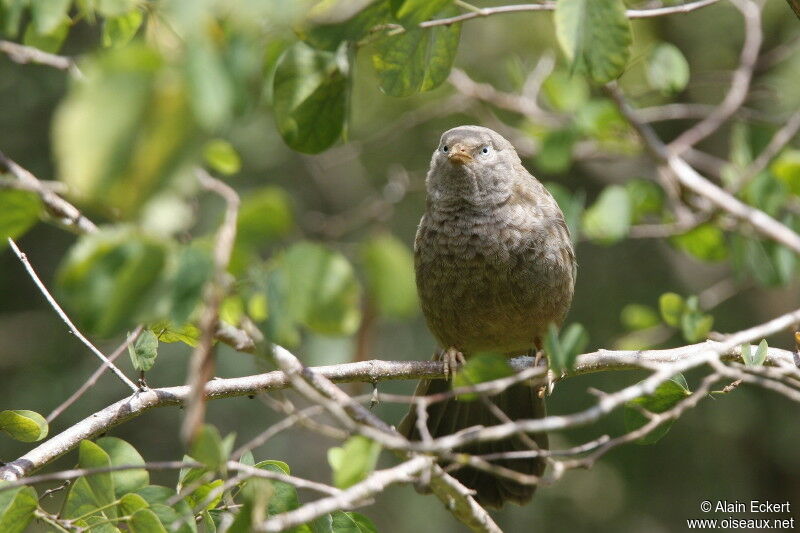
(485, 150)
(445, 148)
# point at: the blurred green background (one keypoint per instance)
(739, 447)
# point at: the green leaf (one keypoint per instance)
(115, 8)
(91, 455)
(108, 277)
(636, 317)
(130, 503)
(207, 447)
(412, 12)
(280, 326)
(351, 522)
(200, 495)
(751, 256)
(609, 218)
(695, 326)
(563, 348)
(16, 508)
(309, 97)
(671, 306)
(786, 168)
(354, 461)
(167, 516)
(330, 23)
(124, 131)
(565, 92)
(194, 268)
(667, 69)
(264, 217)
(118, 31)
(145, 521)
(646, 198)
(705, 242)
(168, 332)
(208, 523)
(144, 351)
(222, 157)
(481, 367)
(22, 425)
(418, 59)
(757, 358)
(389, 270)
(47, 42)
(555, 152)
(595, 36)
(665, 397)
(48, 14)
(324, 294)
(573, 340)
(211, 91)
(284, 496)
(601, 120)
(121, 453)
(10, 16)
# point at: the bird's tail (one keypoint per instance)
(444, 418)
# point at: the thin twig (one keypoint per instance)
(740, 83)
(60, 312)
(95, 375)
(550, 6)
(201, 365)
(692, 180)
(20, 53)
(66, 213)
(348, 498)
(80, 472)
(778, 141)
(70, 217)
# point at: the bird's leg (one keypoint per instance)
(374, 400)
(540, 358)
(452, 359)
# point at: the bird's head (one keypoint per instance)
(472, 164)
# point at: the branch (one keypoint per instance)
(349, 498)
(778, 141)
(66, 213)
(201, 365)
(740, 84)
(70, 217)
(22, 54)
(371, 372)
(63, 316)
(550, 6)
(95, 376)
(450, 491)
(692, 180)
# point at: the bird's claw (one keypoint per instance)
(452, 360)
(541, 359)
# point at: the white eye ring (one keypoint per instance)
(486, 149)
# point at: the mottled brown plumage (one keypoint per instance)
(494, 266)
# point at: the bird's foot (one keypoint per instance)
(452, 359)
(540, 359)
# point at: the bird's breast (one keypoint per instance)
(491, 279)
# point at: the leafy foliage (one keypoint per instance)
(595, 36)
(665, 397)
(481, 367)
(563, 347)
(352, 462)
(23, 425)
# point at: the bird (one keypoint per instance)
(494, 266)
